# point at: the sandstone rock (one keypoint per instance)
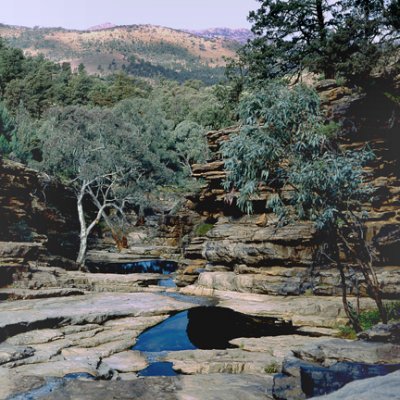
(132, 254)
(62, 368)
(127, 361)
(382, 333)
(36, 337)
(36, 208)
(256, 241)
(232, 252)
(210, 387)
(46, 280)
(333, 351)
(9, 353)
(315, 311)
(380, 387)
(225, 387)
(21, 315)
(294, 284)
(25, 294)
(231, 361)
(12, 383)
(19, 250)
(278, 347)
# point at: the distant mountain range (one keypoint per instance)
(141, 50)
(238, 35)
(101, 27)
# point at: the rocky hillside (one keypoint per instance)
(141, 50)
(251, 254)
(38, 218)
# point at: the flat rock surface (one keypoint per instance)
(230, 361)
(24, 294)
(210, 387)
(254, 355)
(276, 346)
(91, 308)
(331, 351)
(126, 361)
(45, 281)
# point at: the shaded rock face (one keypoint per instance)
(323, 368)
(380, 387)
(34, 209)
(252, 254)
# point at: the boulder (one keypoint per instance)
(382, 333)
(380, 387)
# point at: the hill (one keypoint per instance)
(237, 35)
(140, 50)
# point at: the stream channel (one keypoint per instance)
(204, 327)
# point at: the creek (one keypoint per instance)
(204, 327)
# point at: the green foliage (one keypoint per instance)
(272, 368)
(84, 143)
(191, 101)
(285, 144)
(203, 229)
(395, 99)
(190, 143)
(346, 37)
(369, 318)
(393, 310)
(175, 116)
(25, 143)
(6, 129)
(146, 59)
(347, 332)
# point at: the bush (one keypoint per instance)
(203, 229)
(369, 318)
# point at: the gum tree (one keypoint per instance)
(285, 144)
(108, 161)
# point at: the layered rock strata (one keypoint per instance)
(252, 254)
(38, 218)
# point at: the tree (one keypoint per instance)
(285, 144)
(11, 65)
(107, 160)
(190, 144)
(343, 37)
(6, 129)
(289, 36)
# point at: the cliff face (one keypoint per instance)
(251, 254)
(38, 217)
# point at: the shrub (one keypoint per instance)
(203, 229)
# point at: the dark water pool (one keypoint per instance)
(201, 328)
(169, 335)
(164, 267)
(158, 368)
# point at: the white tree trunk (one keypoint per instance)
(85, 230)
(83, 233)
(82, 250)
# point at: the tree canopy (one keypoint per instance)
(285, 144)
(337, 38)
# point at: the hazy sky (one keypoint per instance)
(80, 14)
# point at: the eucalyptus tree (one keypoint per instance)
(190, 144)
(108, 160)
(285, 144)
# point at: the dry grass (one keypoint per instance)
(95, 48)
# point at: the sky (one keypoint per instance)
(81, 14)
